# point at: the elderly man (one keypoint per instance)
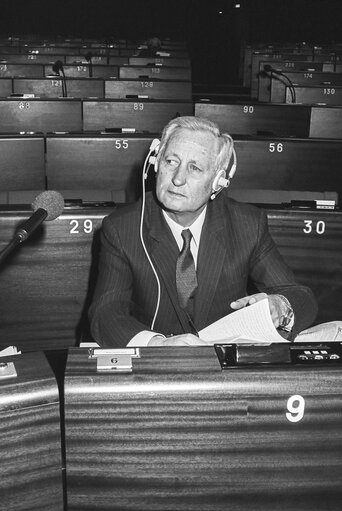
(186, 258)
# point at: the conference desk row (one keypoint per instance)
(15, 65)
(110, 161)
(56, 87)
(82, 70)
(273, 87)
(252, 74)
(254, 54)
(174, 429)
(48, 282)
(140, 114)
(41, 54)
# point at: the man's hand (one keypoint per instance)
(275, 303)
(177, 340)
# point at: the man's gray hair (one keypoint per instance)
(225, 142)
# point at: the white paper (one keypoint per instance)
(250, 324)
(9, 351)
(328, 332)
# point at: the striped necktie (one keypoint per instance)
(186, 279)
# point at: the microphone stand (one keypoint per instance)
(9, 248)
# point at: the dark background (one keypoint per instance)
(213, 29)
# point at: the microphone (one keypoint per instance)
(57, 67)
(46, 206)
(270, 69)
(88, 58)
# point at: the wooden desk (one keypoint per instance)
(31, 453)
(180, 434)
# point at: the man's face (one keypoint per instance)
(186, 173)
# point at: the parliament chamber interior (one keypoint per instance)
(85, 87)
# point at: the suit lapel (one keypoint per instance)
(213, 253)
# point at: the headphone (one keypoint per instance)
(220, 182)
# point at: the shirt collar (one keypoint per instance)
(195, 228)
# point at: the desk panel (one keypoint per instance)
(159, 61)
(324, 95)
(31, 455)
(141, 115)
(6, 87)
(153, 72)
(288, 164)
(326, 121)
(31, 58)
(180, 434)
(53, 87)
(157, 89)
(84, 70)
(22, 162)
(32, 70)
(97, 161)
(27, 114)
(257, 118)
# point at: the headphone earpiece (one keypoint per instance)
(151, 157)
(220, 181)
(153, 151)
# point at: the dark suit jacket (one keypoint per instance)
(235, 247)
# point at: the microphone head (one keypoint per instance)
(57, 66)
(52, 202)
(88, 56)
(268, 68)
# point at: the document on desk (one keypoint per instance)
(253, 324)
(250, 324)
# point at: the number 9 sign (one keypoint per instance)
(295, 407)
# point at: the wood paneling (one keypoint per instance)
(179, 434)
(31, 455)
